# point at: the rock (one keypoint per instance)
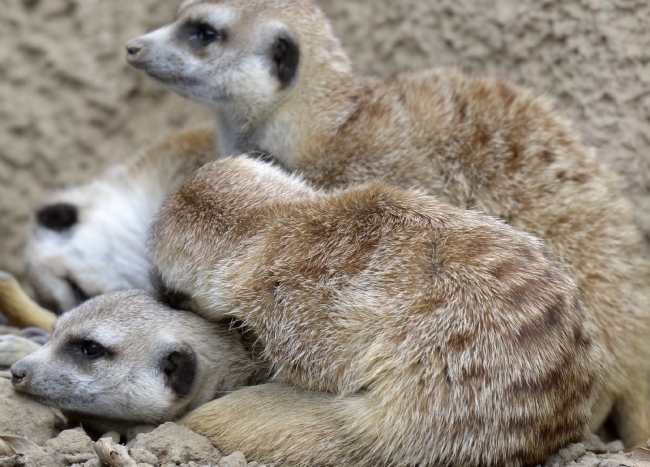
(174, 444)
(236, 459)
(572, 452)
(11, 461)
(20, 415)
(71, 447)
(114, 435)
(142, 456)
(589, 462)
(39, 459)
(133, 432)
(70, 442)
(615, 446)
(609, 463)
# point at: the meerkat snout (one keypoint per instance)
(18, 374)
(134, 50)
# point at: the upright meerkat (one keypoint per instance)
(126, 357)
(413, 332)
(90, 239)
(279, 81)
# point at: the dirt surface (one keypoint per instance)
(171, 444)
(168, 445)
(20, 415)
(70, 106)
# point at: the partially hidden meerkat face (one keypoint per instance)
(126, 356)
(90, 240)
(219, 52)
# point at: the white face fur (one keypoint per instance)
(125, 356)
(220, 54)
(91, 240)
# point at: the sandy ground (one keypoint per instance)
(171, 444)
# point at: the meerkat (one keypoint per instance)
(407, 331)
(278, 80)
(127, 358)
(90, 239)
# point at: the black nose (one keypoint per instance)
(133, 49)
(18, 374)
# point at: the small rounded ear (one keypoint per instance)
(58, 217)
(166, 295)
(179, 366)
(286, 55)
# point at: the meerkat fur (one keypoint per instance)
(278, 81)
(129, 358)
(407, 331)
(90, 239)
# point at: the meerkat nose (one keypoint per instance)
(134, 51)
(18, 374)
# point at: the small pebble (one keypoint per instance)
(114, 435)
(143, 456)
(133, 432)
(236, 459)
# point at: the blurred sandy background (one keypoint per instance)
(70, 106)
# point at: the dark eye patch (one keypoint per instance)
(86, 349)
(57, 217)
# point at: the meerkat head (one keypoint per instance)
(127, 356)
(223, 204)
(89, 240)
(243, 58)
(219, 51)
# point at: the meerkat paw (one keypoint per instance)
(14, 348)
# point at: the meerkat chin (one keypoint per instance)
(278, 80)
(128, 357)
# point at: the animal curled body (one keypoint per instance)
(278, 81)
(407, 331)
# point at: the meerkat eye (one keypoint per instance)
(201, 35)
(92, 349)
(206, 33)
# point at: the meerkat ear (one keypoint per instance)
(286, 55)
(179, 366)
(171, 298)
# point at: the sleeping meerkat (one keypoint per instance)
(125, 357)
(413, 332)
(279, 81)
(90, 239)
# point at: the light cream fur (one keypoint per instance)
(408, 331)
(104, 250)
(478, 143)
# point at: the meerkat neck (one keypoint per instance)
(295, 126)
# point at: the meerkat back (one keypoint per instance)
(278, 80)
